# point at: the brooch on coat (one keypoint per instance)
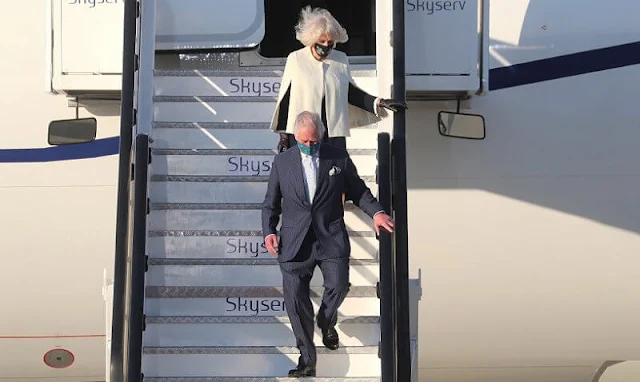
(334, 171)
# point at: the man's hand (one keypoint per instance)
(271, 242)
(382, 220)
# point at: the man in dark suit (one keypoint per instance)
(306, 185)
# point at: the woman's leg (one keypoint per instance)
(338, 142)
(292, 140)
(334, 141)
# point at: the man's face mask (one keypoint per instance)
(309, 150)
(323, 50)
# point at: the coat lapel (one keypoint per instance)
(323, 170)
(298, 175)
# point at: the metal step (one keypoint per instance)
(187, 190)
(194, 108)
(245, 275)
(271, 151)
(244, 72)
(227, 179)
(197, 110)
(236, 83)
(241, 291)
(237, 126)
(235, 162)
(248, 306)
(243, 245)
(249, 320)
(219, 217)
(196, 135)
(213, 298)
(348, 206)
(242, 332)
(360, 361)
(260, 379)
(238, 262)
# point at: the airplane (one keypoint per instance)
(522, 242)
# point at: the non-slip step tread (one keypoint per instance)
(254, 350)
(158, 291)
(241, 151)
(225, 178)
(231, 233)
(229, 125)
(236, 261)
(261, 379)
(212, 125)
(221, 206)
(175, 98)
(242, 73)
(249, 319)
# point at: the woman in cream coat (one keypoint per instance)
(317, 78)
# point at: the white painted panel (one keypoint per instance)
(205, 24)
(441, 37)
(91, 36)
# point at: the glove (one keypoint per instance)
(392, 105)
(283, 144)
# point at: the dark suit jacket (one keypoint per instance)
(286, 196)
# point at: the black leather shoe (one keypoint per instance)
(330, 338)
(304, 371)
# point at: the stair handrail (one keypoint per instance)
(124, 209)
(133, 203)
(400, 208)
(386, 289)
(395, 343)
(138, 263)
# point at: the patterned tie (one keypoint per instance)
(310, 174)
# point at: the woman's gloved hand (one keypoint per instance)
(283, 144)
(392, 105)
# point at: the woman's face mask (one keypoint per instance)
(323, 50)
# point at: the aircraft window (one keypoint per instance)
(356, 16)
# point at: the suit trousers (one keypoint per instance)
(296, 277)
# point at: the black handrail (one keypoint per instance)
(124, 176)
(135, 322)
(386, 260)
(399, 154)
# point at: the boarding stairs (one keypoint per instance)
(196, 296)
(213, 305)
(213, 301)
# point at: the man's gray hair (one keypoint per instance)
(309, 119)
(317, 21)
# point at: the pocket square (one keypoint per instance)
(334, 170)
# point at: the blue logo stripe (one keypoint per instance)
(98, 148)
(569, 65)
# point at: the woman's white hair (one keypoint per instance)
(316, 22)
